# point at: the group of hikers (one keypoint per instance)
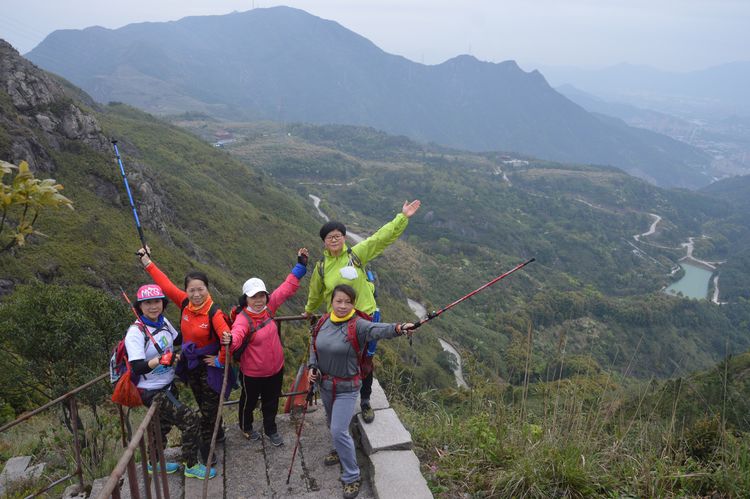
(341, 346)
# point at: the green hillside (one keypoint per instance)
(484, 213)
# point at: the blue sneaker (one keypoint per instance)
(168, 467)
(198, 470)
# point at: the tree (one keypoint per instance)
(22, 200)
(55, 338)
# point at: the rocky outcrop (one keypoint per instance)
(38, 114)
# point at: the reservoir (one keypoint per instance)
(694, 284)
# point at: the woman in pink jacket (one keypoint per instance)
(255, 335)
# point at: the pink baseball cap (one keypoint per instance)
(149, 292)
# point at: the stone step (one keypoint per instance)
(385, 433)
(396, 473)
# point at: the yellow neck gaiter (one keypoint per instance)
(335, 318)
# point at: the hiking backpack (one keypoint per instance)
(364, 362)
(121, 373)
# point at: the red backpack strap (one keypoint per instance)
(351, 333)
(315, 331)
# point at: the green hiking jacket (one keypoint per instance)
(322, 287)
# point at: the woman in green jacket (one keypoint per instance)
(344, 265)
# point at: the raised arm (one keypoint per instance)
(175, 294)
(290, 284)
(387, 234)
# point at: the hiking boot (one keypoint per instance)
(168, 467)
(221, 437)
(332, 458)
(368, 415)
(352, 489)
(276, 439)
(253, 435)
(198, 471)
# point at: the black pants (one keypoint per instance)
(366, 390)
(268, 389)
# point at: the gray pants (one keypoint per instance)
(339, 414)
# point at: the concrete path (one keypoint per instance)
(258, 469)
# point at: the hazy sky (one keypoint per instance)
(667, 34)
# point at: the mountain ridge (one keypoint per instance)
(282, 64)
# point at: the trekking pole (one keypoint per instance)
(130, 197)
(434, 314)
(308, 401)
(217, 423)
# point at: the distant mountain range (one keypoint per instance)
(716, 92)
(282, 64)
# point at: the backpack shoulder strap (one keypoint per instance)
(184, 304)
(147, 337)
(211, 313)
(354, 258)
(351, 332)
(321, 269)
(316, 329)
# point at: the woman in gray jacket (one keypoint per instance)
(335, 351)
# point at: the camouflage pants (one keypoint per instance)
(208, 403)
(172, 412)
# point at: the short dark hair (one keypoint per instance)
(347, 290)
(196, 274)
(330, 227)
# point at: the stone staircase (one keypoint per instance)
(247, 469)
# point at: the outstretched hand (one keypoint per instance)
(410, 209)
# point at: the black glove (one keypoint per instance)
(302, 259)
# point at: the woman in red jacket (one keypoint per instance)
(201, 325)
(256, 335)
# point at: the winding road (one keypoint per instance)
(688, 258)
(421, 312)
(651, 229)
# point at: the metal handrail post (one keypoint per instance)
(76, 442)
(160, 453)
(144, 466)
(119, 469)
(152, 458)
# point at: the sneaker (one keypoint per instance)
(332, 458)
(168, 467)
(351, 489)
(198, 471)
(221, 437)
(276, 439)
(368, 415)
(253, 435)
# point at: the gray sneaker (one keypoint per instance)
(276, 439)
(253, 435)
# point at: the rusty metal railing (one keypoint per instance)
(150, 429)
(70, 398)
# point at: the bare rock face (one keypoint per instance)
(40, 103)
